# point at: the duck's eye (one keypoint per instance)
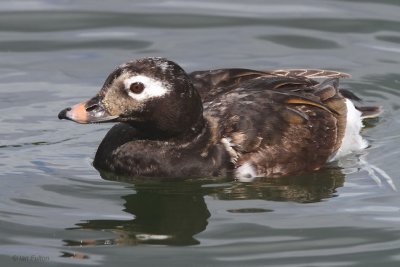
(136, 87)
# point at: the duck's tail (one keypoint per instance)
(370, 112)
(367, 112)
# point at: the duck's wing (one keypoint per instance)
(293, 126)
(211, 83)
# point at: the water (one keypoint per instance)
(56, 209)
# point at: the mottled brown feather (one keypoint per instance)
(282, 122)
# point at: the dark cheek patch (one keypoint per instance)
(117, 102)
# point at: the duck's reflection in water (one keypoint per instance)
(173, 212)
(164, 213)
(303, 189)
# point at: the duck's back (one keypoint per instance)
(274, 124)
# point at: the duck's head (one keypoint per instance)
(154, 92)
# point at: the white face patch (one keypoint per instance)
(152, 88)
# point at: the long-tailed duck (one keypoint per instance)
(227, 122)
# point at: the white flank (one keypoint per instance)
(152, 88)
(352, 140)
(245, 173)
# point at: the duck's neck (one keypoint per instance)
(152, 131)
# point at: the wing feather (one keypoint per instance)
(311, 73)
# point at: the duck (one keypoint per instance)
(234, 122)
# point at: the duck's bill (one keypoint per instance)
(91, 111)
